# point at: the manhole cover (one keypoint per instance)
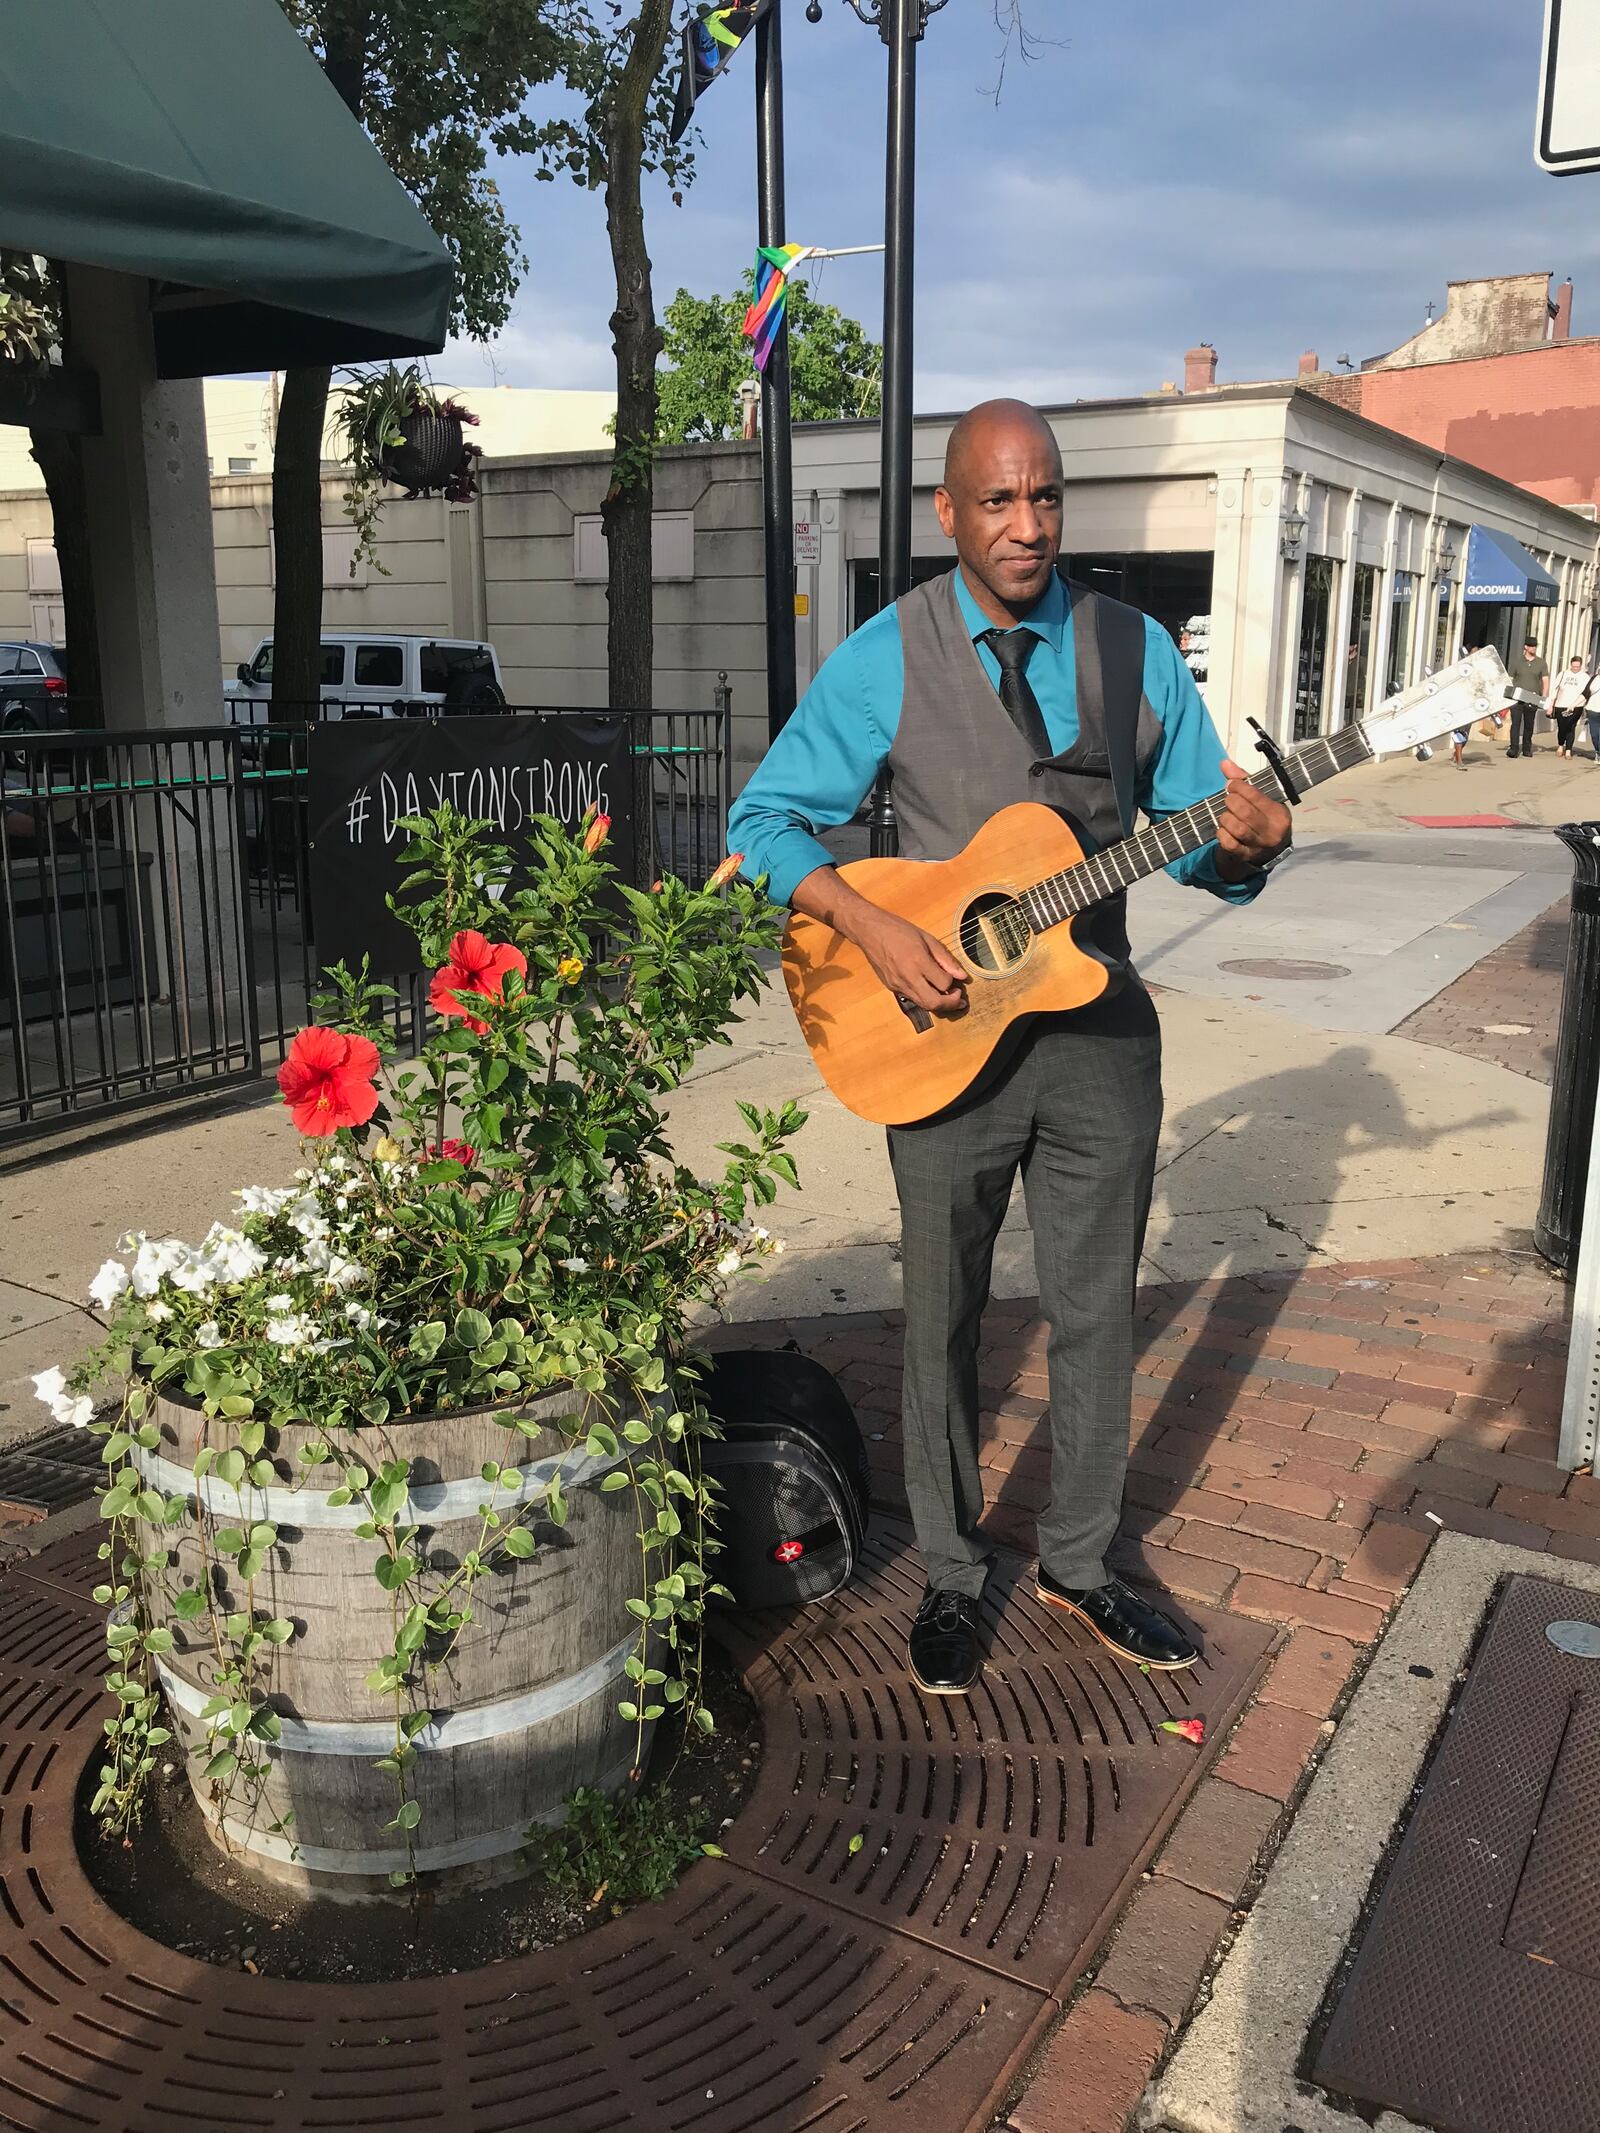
(1471, 2003)
(1282, 966)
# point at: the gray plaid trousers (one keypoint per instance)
(1078, 1109)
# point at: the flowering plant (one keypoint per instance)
(498, 1218)
(368, 427)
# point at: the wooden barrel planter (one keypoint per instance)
(430, 454)
(524, 1707)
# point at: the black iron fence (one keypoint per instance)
(156, 931)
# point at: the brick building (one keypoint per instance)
(1498, 379)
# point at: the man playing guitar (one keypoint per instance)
(995, 684)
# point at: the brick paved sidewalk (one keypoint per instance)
(1506, 1008)
(1291, 1436)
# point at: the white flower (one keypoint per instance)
(196, 1276)
(265, 1199)
(289, 1332)
(778, 1245)
(108, 1284)
(359, 1316)
(728, 1263)
(51, 1387)
(345, 1273)
(574, 1266)
(158, 1313)
(615, 1198)
(280, 1303)
(209, 1335)
(230, 1255)
(154, 1261)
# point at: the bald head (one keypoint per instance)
(1000, 502)
(990, 427)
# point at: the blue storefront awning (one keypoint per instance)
(1500, 570)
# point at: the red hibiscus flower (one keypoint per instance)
(476, 966)
(326, 1081)
(596, 834)
(453, 1152)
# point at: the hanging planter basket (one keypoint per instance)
(431, 453)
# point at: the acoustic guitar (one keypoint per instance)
(1009, 905)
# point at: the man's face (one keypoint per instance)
(1001, 505)
(1531, 648)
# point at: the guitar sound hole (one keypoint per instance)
(994, 934)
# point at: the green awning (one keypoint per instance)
(197, 142)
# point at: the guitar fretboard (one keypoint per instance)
(1103, 874)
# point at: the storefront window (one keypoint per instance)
(1358, 653)
(1311, 679)
(1172, 585)
(1443, 629)
(1402, 613)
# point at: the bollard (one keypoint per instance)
(1559, 1223)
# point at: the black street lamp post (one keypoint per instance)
(777, 461)
(900, 23)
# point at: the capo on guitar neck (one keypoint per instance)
(1276, 759)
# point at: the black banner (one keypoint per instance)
(367, 776)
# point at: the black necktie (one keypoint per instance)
(1012, 648)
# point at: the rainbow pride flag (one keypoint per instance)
(764, 320)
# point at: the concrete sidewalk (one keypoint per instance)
(1284, 1147)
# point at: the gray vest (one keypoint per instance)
(957, 759)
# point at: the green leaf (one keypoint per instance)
(223, 1764)
(277, 1631)
(472, 1328)
(704, 1720)
(188, 1605)
(413, 1631)
(629, 1711)
(158, 1640)
(230, 1466)
(713, 1851)
(854, 1845)
(204, 1460)
(519, 1542)
(409, 1816)
(392, 1571)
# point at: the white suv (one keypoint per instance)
(380, 674)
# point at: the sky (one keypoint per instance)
(1265, 175)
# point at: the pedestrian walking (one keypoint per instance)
(1566, 703)
(1530, 686)
(1592, 713)
(1458, 742)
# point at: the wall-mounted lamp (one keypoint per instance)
(1294, 532)
(1447, 558)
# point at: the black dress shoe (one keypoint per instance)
(1131, 1627)
(945, 1658)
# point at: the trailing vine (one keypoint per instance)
(548, 1250)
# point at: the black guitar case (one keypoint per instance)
(792, 1516)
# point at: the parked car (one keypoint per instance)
(380, 674)
(33, 687)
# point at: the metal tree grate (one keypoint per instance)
(800, 1986)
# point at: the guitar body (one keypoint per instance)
(873, 1056)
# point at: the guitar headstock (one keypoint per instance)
(1473, 687)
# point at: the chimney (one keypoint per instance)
(1308, 364)
(1199, 368)
(1561, 323)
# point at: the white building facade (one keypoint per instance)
(1328, 554)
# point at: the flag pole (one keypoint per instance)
(777, 465)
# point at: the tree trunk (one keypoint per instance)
(297, 467)
(59, 455)
(636, 337)
(297, 544)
